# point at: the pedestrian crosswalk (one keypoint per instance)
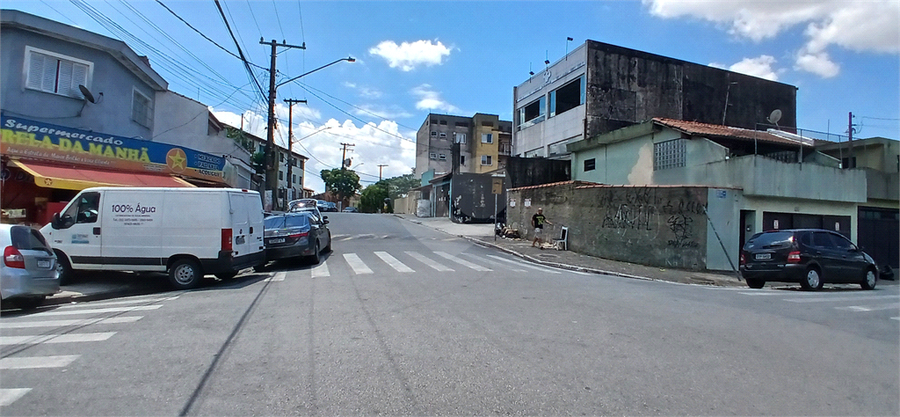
(405, 262)
(851, 300)
(75, 325)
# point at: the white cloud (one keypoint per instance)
(758, 67)
(817, 63)
(863, 26)
(407, 56)
(364, 92)
(431, 100)
(381, 144)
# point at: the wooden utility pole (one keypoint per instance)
(271, 167)
(344, 156)
(290, 179)
(379, 171)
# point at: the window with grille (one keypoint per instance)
(669, 154)
(55, 73)
(142, 109)
(590, 164)
(432, 155)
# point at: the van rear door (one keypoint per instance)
(240, 225)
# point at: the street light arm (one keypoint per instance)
(320, 130)
(348, 59)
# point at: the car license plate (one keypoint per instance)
(43, 264)
(763, 256)
(277, 240)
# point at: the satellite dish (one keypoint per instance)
(774, 117)
(86, 93)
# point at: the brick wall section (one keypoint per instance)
(661, 226)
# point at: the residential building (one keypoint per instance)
(598, 88)
(65, 127)
(476, 144)
(690, 194)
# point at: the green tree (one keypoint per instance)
(398, 186)
(342, 182)
(258, 161)
(372, 198)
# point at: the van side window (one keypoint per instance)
(84, 210)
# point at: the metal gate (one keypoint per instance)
(879, 234)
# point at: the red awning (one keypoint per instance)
(71, 178)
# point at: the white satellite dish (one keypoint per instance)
(774, 117)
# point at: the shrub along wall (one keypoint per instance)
(661, 226)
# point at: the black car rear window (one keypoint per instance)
(772, 239)
(26, 238)
(274, 222)
(296, 221)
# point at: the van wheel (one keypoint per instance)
(316, 257)
(870, 281)
(755, 283)
(64, 269)
(184, 274)
(812, 280)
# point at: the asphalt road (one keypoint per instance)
(403, 320)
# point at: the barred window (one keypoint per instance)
(669, 154)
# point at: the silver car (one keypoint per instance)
(28, 270)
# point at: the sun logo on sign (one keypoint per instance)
(176, 160)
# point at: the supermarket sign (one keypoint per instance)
(28, 139)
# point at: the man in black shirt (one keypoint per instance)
(537, 221)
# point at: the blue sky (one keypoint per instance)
(460, 58)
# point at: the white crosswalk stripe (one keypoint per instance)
(891, 306)
(494, 262)
(33, 362)
(321, 270)
(135, 300)
(358, 266)
(838, 299)
(547, 270)
(63, 312)
(55, 338)
(462, 262)
(425, 260)
(68, 322)
(10, 395)
(393, 262)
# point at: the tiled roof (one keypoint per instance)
(726, 132)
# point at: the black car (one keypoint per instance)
(297, 235)
(810, 257)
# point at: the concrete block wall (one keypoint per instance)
(661, 226)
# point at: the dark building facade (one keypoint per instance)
(598, 88)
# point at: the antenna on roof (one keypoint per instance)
(774, 117)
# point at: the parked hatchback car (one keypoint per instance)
(28, 270)
(296, 235)
(810, 257)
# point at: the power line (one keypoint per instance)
(243, 59)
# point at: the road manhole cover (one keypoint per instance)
(547, 256)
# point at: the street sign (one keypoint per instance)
(496, 185)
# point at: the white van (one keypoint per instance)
(187, 232)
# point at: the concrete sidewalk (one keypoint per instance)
(483, 234)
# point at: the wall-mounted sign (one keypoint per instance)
(29, 139)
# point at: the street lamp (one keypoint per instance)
(348, 59)
(271, 169)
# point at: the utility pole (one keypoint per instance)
(379, 171)
(344, 155)
(850, 163)
(271, 167)
(290, 179)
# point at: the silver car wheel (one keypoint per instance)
(812, 279)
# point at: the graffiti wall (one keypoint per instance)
(659, 226)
